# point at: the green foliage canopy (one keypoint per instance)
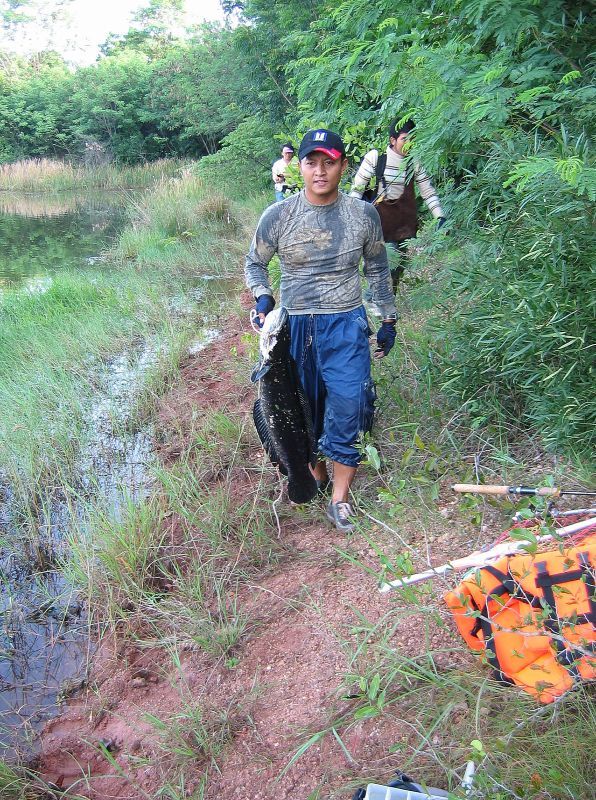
(504, 100)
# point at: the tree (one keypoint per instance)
(35, 108)
(267, 46)
(33, 26)
(202, 90)
(160, 17)
(155, 28)
(112, 105)
(504, 100)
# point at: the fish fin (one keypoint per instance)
(312, 445)
(265, 436)
(259, 371)
(302, 491)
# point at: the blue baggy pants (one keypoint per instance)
(333, 358)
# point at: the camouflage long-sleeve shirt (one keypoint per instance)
(320, 248)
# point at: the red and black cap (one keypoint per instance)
(324, 141)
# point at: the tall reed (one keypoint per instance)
(43, 175)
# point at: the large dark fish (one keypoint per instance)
(281, 413)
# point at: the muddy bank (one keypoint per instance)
(44, 624)
(286, 677)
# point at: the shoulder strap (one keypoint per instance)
(380, 170)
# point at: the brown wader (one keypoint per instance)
(399, 221)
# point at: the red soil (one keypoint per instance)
(303, 612)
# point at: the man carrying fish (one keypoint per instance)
(320, 236)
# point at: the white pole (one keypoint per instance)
(481, 559)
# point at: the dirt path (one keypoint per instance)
(289, 676)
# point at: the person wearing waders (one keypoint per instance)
(320, 236)
(394, 196)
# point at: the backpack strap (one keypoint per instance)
(566, 655)
(371, 195)
(584, 573)
(589, 578)
(505, 586)
(380, 171)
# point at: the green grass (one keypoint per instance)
(183, 588)
(51, 346)
(52, 343)
(190, 734)
(125, 552)
(184, 227)
(22, 784)
(45, 175)
(190, 740)
(450, 716)
(54, 346)
(167, 572)
(12, 787)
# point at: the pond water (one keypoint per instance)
(40, 236)
(44, 637)
(45, 641)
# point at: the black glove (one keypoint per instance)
(265, 304)
(440, 223)
(385, 338)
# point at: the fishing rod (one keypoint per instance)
(481, 558)
(556, 514)
(543, 491)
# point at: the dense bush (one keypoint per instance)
(138, 102)
(503, 95)
(522, 340)
(244, 162)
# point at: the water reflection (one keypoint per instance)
(44, 641)
(43, 631)
(41, 643)
(42, 235)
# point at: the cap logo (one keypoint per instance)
(320, 136)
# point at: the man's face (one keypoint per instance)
(287, 155)
(398, 144)
(322, 175)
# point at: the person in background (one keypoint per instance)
(320, 235)
(395, 199)
(279, 171)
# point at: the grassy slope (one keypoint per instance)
(417, 448)
(226, 540)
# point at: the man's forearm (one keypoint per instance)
(376, 266)
(262, 249)
(257, 278)
(256, 270)
(428, 193)
(379, 278)
(363, 177)
(357, 190)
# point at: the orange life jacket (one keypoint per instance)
(533, 618)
